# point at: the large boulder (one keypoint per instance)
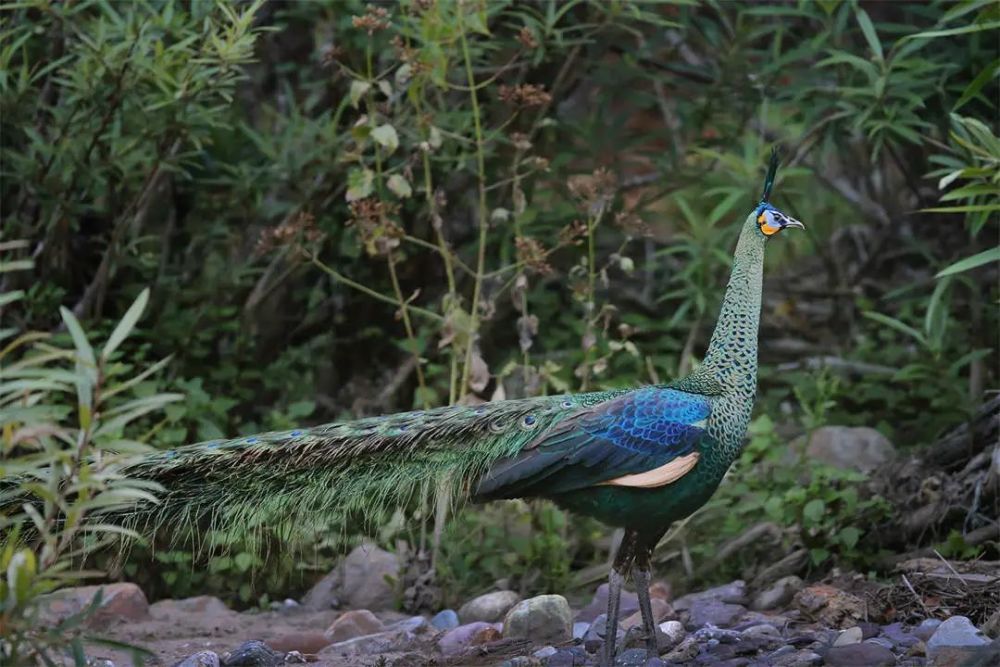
(541, 619)
(366, 579)
(850, 447)
(119, 602)
(488, 608)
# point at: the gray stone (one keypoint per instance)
(955, 631)
(121, 601)
(633, 657)
(457, 640)
(734, 592)
(901, 636)
(927, 628)
(684, 651)
(366, 579)
(380, 642)
(701, 613)
(778, 594)
(200, 659)
(599, 627)
(445, 620)
(804, 658)
(573, 656)
(986, 655)
(488, 608)
(253, 653)
(628, 605)
(882, 641)
(673, 631)
(545, 652)
(201, 604)
(849, 636)
(580, 629)
(852, 655)
(413, 624)
(761, 630)
(545, 618)
(850, 447)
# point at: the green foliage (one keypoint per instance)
(71, 417)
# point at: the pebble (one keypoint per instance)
(354, 623)
(545, 618)
(306, 641)
(413, 624)
(580, 630)
(574, 656)
(661, 612)
(849, 636)
(445, 620)
(955, 631)
(628, 605)
(457, 640)
(200, 659)
(253, 653)
(852, 655)
(489, 608)
(545, 652)
(803, 658)
(901, 636)
(674, 632)
(365, 645)
(927, 628)
(633, 657)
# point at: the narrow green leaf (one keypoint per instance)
(991, 71)
(126, 324)
(969, 263)
(893, 323)
(83, 349)
(870, 35)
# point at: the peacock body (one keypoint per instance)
(638, 459)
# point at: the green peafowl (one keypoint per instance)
(639, 459)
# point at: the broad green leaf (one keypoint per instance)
(386, 136)
(813, 510)
(359, 183)
(358, 90)
(849, 536)
(969, 263)
(127, 323)
(399, 186)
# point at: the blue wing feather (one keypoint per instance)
(639, 431)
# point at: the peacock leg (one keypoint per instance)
(622, 564)
(640, 574)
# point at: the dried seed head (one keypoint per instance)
(525, 95)
(632, 224)
(532, 254)
(293, 231)
(374, 20)
(373, 219)
(527, 38)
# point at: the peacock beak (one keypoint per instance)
(792, 222)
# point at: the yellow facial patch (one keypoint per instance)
(769, 229)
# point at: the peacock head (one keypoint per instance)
(770, 220)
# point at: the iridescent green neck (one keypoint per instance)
(732, 352)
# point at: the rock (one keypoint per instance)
(303, 641)
(545, 618)
(414, 625)
(685, 651)
(628, 605)
(633, 657)
(366, 579)
(762, 630)
(734, 592)
(380, 642)
(457, 640)
(673, 631)
(545, 652)
(253, 653)
(488, 608)
(580, 629)
(926, 628)
(445, 620)
(901, 636)
(778, 594)
(955, 631)
(849, 447)
(852, 655)
(119, 602)
(661, 612)
(793, 658)
(200, 659)
(598, 628)
(574, 656)
(712, 612)
(830, 606)
(201, 604)
(662, 590)
(351, 624)
(849, 636)
(987, 655)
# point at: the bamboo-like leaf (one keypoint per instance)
(969, 263)
(127, 323)
(901, 327)
(870, 35)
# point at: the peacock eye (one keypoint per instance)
(529, 421)
(567, 404)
